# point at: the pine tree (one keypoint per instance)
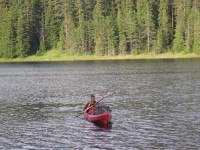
(81, 29)
(188, 28)
(121, 27)
(11, 34)
(22, 44)
(111, 36)
(112, 31)
(88, 16)
(196, 45)
(131, 25)
(178, 43)
(34, 25)
(62, 38)
(98, 22)
(69, 31)
(104, 29)
(150, 27)
(42, 34)
(3, 31)
(52, 24)
(7, 30)
(70, 22)
(98, 26)
(140, 15)
(163, 32)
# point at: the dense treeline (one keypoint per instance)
(101, 27)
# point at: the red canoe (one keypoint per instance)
(100, 118)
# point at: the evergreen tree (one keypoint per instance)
(70, 22)
(51, 26)
(150, 27)
(98, 26)
(112, 31)
(98, 23)
(178, 43)
(81, 38)
(34, 25)
(196, 45)
(131, 25)
(104, 29)
(42, 34)
(111, 40)
(53, 11)
(11, 34)
(189, 29)
(7, 30)
(121, 27)
(88, 17)
(22, 38)
(69, 31)
(3, 31)
(140, 15)
(163, 31)
(62, 38)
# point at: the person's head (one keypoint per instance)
(92, 97)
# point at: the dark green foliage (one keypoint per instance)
(178, 44)
(7, 33)
(196, 19)
(101, 27)
(164, 31)
(22, 38)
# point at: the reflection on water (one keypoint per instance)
(155, 104)
(102, 127)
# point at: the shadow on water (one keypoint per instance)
(103, 127)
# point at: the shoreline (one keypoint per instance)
(63, 57)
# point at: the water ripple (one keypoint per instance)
(155, 105)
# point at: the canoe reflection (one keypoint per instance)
(103, 127)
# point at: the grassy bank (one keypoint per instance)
(53, 55)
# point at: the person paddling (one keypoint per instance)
(92, 102)
(93, 110)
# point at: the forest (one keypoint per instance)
(98, 27)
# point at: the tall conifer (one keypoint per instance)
(163, 32)
(196, 44)
(178, 43)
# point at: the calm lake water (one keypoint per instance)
(155, 105)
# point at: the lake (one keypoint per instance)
(155, 104)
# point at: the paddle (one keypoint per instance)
(103, 97)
